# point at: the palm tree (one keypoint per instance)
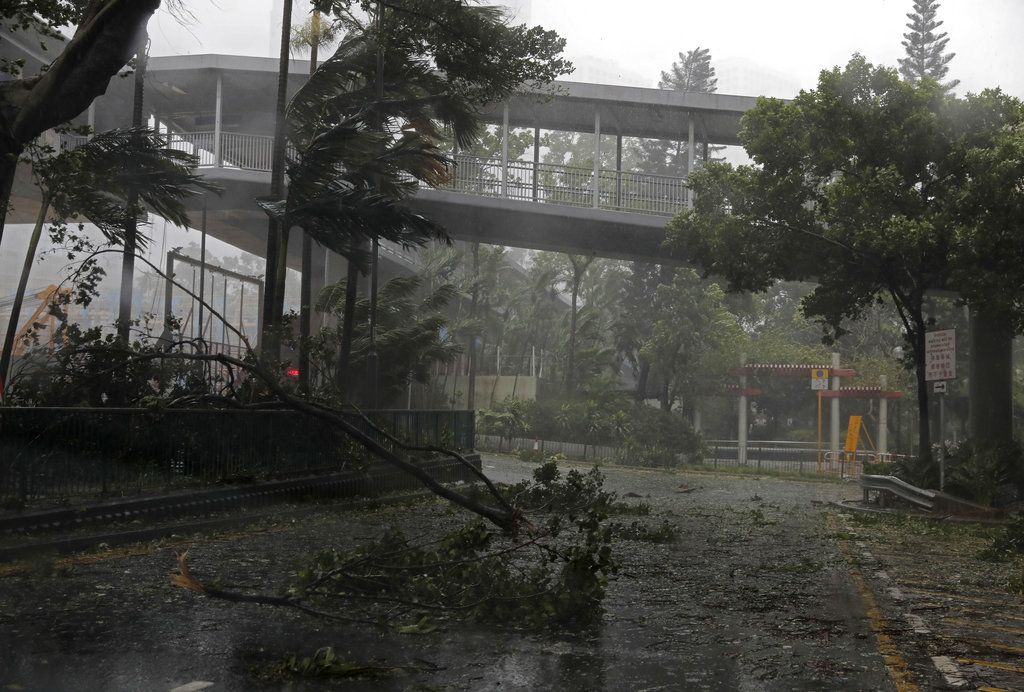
(124, 314)
(90, 183)
(410, 332)
(349, 173)
(312, 35)
(277, 241)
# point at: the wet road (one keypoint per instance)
(756, 594)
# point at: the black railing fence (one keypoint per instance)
(65, 452)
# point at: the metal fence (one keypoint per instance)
(781, 456)
(64, 452)
(772, 456)
(571, 450)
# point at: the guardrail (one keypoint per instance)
(64, 452)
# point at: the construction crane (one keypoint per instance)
(42, 317)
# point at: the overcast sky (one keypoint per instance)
(795, 37)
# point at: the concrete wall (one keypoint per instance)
(491, 389)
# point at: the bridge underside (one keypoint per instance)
(234, 218)
(551, 227)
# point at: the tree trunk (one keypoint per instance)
(276, 254)
(19, 296)
(347, 324)
(8, 169)
(924, 437)
(570, 370)
(101, 46)
(641, 382)
(124, 312)
(306, 290)
(991, 377)
(471, 393)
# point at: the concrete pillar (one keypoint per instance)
(618, 171)
(91, 118)
(536, 161)
(834, 442)
(689, 159)
(217, 116)
(597, 159)
(696, 416)
(741, 437)
(504, 152)
(883, 418)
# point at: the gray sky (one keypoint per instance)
(795, 37)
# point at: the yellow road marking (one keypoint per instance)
(991, 664)
(897, 666)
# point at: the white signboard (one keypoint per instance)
(939, 387)
(819, 379)
(940, 355)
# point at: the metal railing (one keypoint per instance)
(543, 183)
(572, 186)
(768, 456)
(65, 452)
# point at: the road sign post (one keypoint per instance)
(939, 367)
(819, 382)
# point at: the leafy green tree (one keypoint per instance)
(925, 48)
(691, 331)
(859, 185)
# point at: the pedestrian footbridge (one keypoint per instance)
(221, 108)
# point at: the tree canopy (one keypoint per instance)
(869, 185)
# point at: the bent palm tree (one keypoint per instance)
(90, 183)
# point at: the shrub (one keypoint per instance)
(988, 474)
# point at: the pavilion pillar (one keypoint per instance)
(741, 436)
(883, 418)
(217, 119)
(834, 413)
(597, 160)
(91, 119)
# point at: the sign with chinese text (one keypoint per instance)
(852, 434)
(940, 355)
(819, 379)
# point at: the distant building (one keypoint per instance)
(744, 77)
(593, 69)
